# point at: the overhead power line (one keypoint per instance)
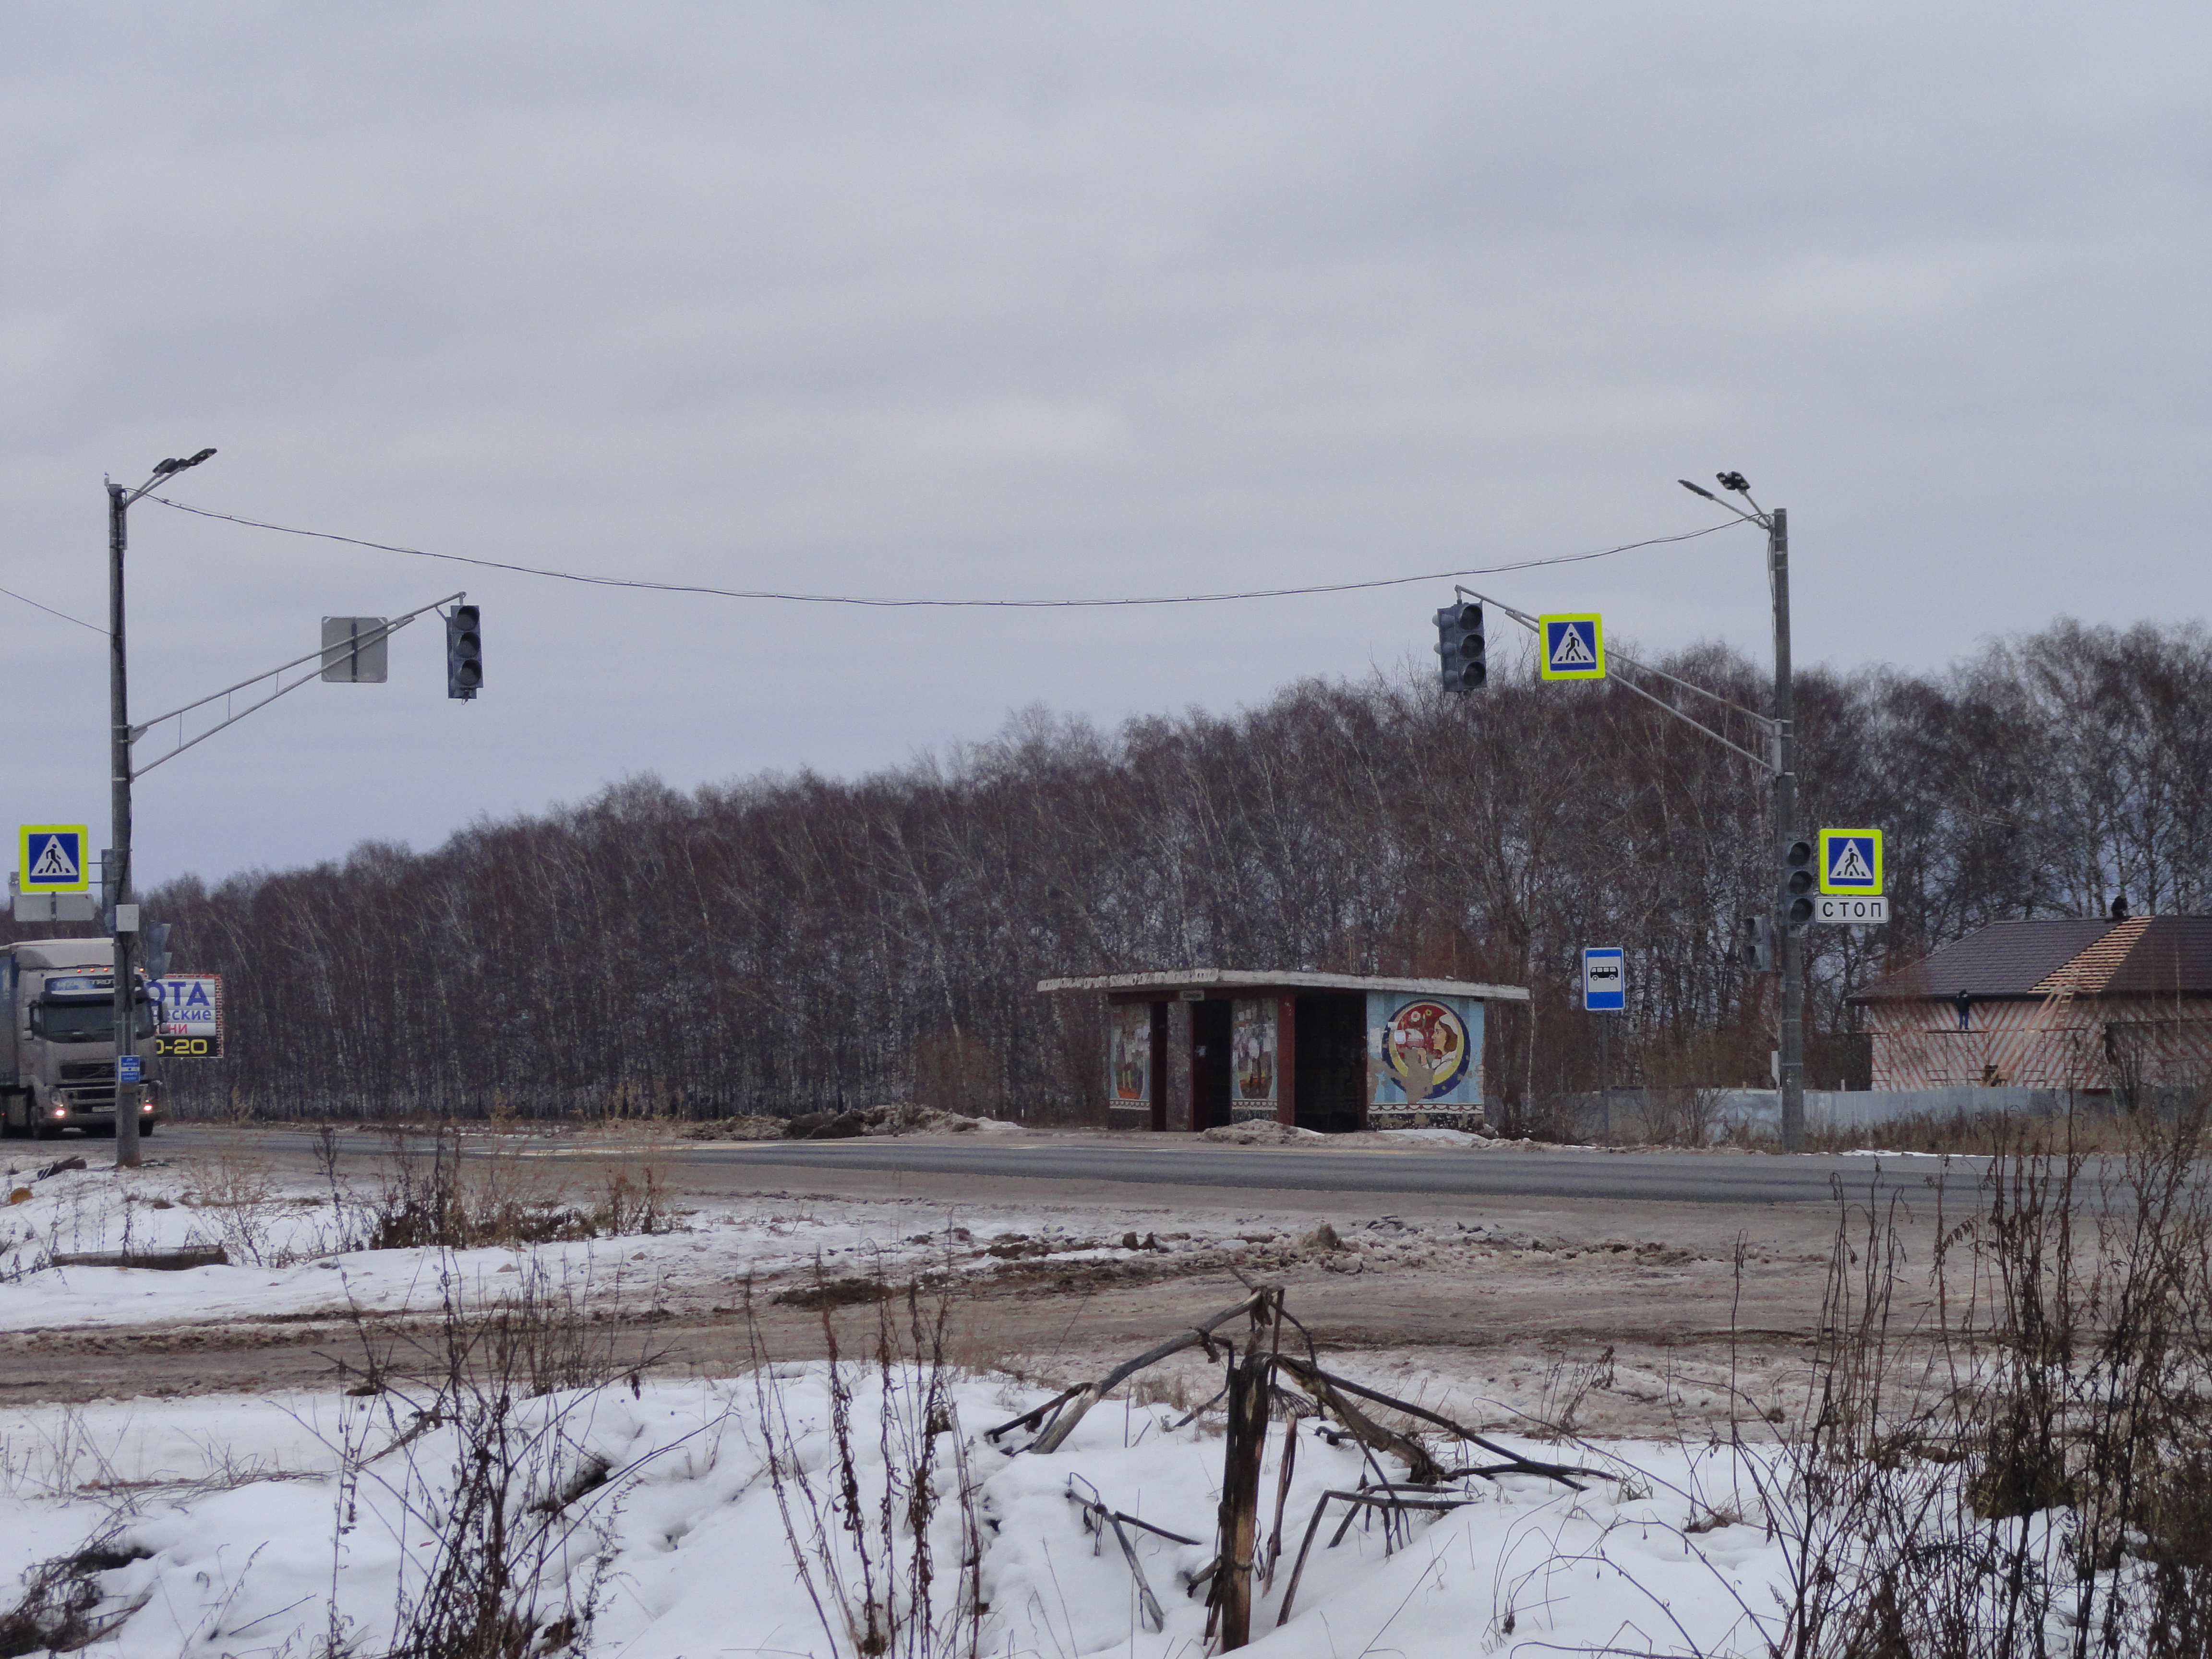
(50, 611)
(987, 604)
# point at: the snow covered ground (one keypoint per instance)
(311, 1522)
(724, 1513)
(269, 1527)
(296, 1245)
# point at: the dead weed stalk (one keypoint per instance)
(879, 1499)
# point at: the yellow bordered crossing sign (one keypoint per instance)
(1573, 647)
(51, 858)
(1851, 861)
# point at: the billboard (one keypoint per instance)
(1424, 1053)
(187, 1016)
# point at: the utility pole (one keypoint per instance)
(1785, 831)
(122, 917)
(118, 881)
(1789, 932)
(1794, 910)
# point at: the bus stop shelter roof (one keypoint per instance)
(1230, 979)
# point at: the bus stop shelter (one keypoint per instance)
(1331, 1052)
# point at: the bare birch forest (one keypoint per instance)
(787, 943)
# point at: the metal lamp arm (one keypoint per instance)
(392, 626)
(1762, 720)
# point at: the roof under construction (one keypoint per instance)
(2145, 956)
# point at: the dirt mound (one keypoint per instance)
(736, 1128)
(900, 1118)
(1261, 1133)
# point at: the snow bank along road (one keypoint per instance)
(1043, 1270)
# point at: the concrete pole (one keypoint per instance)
(1792, 939)
(126, 1024)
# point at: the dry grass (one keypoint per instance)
(459, 1196)
(2022, 1464)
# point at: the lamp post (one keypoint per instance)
(122, 915)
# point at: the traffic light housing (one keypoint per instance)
(1799, 878)
(1758, 943)
(464, 652)
(1460, 644)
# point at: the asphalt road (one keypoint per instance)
(1677, 1177)
(1165, 1162)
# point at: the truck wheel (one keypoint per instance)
(145, 1129)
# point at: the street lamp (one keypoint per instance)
(122, 917)
(1791, 935)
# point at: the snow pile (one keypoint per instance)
(1265, 1132)
(656, 1523)
(901, 1118)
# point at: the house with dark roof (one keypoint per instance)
(2094, 1005)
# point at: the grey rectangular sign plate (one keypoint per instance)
(353, 649)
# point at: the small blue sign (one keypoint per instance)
(1605, 979)
(129, 1068)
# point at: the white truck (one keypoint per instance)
(57, 1055)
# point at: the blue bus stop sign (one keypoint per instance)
(1605, 979)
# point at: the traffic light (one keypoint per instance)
(1758, 943)
(1798, 880)
(1459, 642)
(464, 652)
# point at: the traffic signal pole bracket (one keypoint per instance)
(1614, 655)
(320, 657)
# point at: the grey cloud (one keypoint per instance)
(1016, 299)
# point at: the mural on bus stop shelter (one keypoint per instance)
(1424, 1060)
(1252, 1054)
(1129, 1061)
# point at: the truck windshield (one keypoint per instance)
(81, 1022)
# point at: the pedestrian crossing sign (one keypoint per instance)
(1851, 861)
(1574, 647)
(51, 858)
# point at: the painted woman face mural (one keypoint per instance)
(1427, 1048)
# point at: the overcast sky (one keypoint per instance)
(1039, 302)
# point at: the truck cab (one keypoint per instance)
(58, 1051)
